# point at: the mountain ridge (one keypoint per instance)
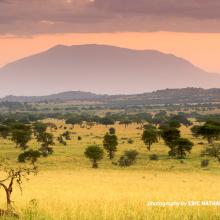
(184, 95)
(101, 69)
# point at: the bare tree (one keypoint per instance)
(13, 177)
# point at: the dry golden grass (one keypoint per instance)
(67, 188)
(107, 194)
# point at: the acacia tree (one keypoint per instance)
(170, 135)
(180, 148)
(195, 131)
(39, 128)
(149, 137)
(110, 144)
(212, 151)
(125, 122)
(29, 155)
(13, 176)
(107, 121)
(47, 141)
(4, 131)
(21, 134)
(21, 137)
(95, 154)
(209, 131)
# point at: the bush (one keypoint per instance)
(79, 138)
(153, 157)
(204, 163)
(130, 141)
(128, 158)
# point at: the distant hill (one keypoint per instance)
(101, 69)
(167, 96)
(63, 96)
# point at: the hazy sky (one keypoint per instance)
(189, 28)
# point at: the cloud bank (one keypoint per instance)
(28, 17)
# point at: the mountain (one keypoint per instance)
(63, 96)
(167, 96)
(101, 69)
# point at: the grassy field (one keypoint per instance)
(67, 188)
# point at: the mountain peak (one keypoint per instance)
(102, 69)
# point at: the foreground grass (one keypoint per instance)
(101, 194)
(67, 188)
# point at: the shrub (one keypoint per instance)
(204, 163)
(153, 157)
(128, 158)
(130, 141)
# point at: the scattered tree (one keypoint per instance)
(212, 151)
(21, 137)
(209, 131)
(12, 176)
(128, 158)
(95, 154)
(4, 131)
(46, 140)
(170, 135)
(110, 144)
(149, 137)
(181, 147)
(29, 155)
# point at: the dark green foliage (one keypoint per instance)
(62, 140)
(125, 122)
(67, 135)
(21, 135)
(39, 128)
(149, 126)
(195, 131)
(170, 135)
(95, 154)
(207, 118)
(212, 151)
(204, 163)
(180, 148)
(149, 137)
(130, 141)
(112, 130)
(110, 144)
(46, 140)
(4, 131)
(160, 117)
(74, 120)
(153, 157)
(63, 137)
(29, 155)
(107, 121)
(210, 131)
(128, 158)
(180, 118)
(174, 121)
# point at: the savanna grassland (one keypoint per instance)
(66, 186)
